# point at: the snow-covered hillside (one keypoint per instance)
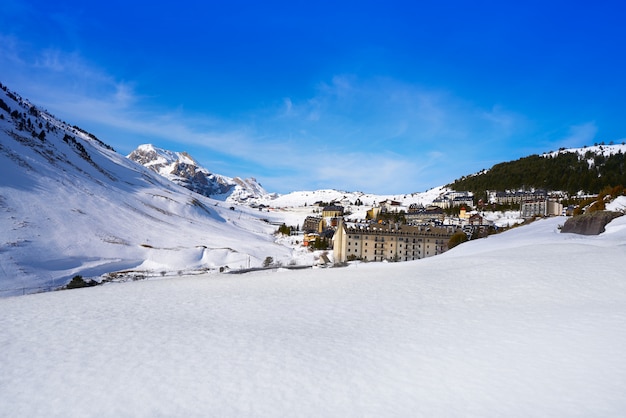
(604, 150)
(309, 198)
(531, 322)
(182, 169)
(71, 205)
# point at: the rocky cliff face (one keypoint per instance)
(589, 224)
(182, 169)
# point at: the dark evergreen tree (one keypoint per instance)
(565, 171)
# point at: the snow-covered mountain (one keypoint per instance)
(71, 205)
(182, 169)
(311, 197)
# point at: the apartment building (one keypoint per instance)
(374, 242)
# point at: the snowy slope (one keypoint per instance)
(309, 198)
(70, 205)
(527, 323)
(183, 170)
(604, 150)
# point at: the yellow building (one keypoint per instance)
(332, 211)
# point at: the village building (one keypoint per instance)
(454, 199)
(441, 202)
(518, 197)
(390, 205)
(374, 212)
(467, 201)
(477, 220)
(309, 238)
(541, 207)
(312, 224)
(395, 242)
(419, 214)
(332, 211)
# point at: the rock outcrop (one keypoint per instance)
(589, 224)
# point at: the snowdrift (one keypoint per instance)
(526, 323)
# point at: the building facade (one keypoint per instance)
(541, 207)
(420, 214)
(312, 224)
(332, 211)
(453, 198)
(389, 242)
(517, 197)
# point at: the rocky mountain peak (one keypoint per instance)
(183, 169)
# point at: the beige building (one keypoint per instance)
(332, 211)
(541, 207)
(389, 242)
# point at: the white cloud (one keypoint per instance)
(583, 134)
(374, 134)
(288, 106)
(10, 56)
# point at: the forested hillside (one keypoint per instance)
(571, 171)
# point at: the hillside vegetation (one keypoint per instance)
(571, 172)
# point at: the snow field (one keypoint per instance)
(526, 323)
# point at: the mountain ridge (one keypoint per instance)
(70, 204)
(184, 170)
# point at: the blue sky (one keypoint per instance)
(383, 97)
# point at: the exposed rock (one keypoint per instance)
(589, 223)
(183, 170)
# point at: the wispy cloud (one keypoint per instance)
(344, 132)
(584, 134)
(375, 134)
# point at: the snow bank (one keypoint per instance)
(526, 323)
(617, 205)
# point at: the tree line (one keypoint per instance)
(568, 172)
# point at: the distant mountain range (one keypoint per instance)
(182, 169)
(70, 204)
(586, 169)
